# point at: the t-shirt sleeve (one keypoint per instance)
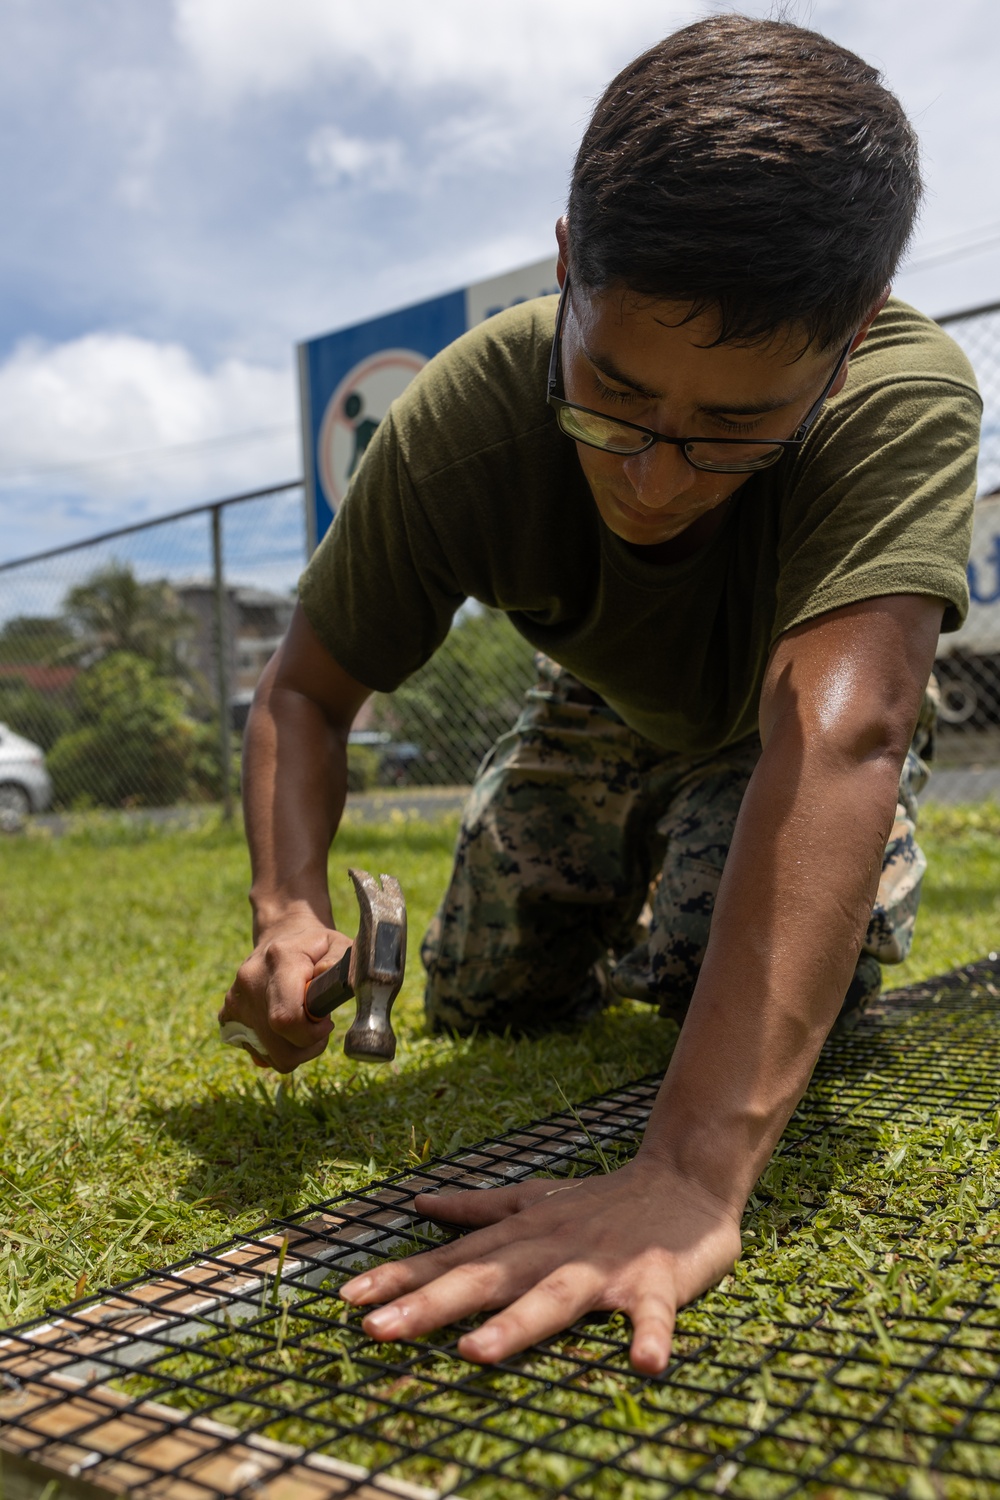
(882, 498)
(378, 590)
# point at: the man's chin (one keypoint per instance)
(642, 529)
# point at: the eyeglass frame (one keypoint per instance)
(559, 403)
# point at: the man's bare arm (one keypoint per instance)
(838, 711)
(294, 786)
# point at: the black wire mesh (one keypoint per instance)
(853, 1353)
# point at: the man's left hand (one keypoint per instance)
(644, 1240)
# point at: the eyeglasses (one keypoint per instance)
(717, 455)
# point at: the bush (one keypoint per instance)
(458, 704)
(41, 717)
(362, 767)
(136, 744)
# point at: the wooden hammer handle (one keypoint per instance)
(330, 989)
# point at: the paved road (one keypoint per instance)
(962, 784)
(362, 807)
(948, 784)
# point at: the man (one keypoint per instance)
(737, 524)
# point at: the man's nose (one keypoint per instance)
(659, 475)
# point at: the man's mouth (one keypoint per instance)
(642, 517)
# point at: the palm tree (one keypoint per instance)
(115, 611)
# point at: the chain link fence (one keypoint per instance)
(128, 661)
(114, 691)
(968, 667)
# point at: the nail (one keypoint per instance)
(357, 1287)
(483, 1341)
(383, 1320)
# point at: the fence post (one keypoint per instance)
(222, 665)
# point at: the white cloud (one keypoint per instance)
(223, 177)
(108, 415)
(259, 46)
(132, 105)
(337, 158)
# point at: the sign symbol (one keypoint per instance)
(354, 412)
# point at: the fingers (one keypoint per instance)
(557, 1301)
(480, 1209)
(553, 1304)
(547, 1253)
(546, 1308)
(653, 1318)
(397, 1277)
(535, 1306)
(477, 1206)
(468, 1288)
(268, 993)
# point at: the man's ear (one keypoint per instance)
(562, 240)
(859, 338)
(869, 320)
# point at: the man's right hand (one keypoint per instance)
(294, 785)
(268, 993)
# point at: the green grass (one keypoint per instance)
(779, 1366)
(131, 1138)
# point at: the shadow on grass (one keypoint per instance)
(273, 1148)
(262, 1142)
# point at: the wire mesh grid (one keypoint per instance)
(978, 333)
(863, 1363)
(968, 669)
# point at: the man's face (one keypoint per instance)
(633, 358)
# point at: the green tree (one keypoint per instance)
(136, 745)
(35, 639)
(40, 710)
(114, 611)
(469, 692)
(39, 716)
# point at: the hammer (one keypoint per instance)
(371, 971)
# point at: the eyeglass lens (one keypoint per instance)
(616, 437)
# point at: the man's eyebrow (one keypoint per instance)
(608, 368)
(747, 408)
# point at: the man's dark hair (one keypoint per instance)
(753, 168)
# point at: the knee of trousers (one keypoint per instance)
(521, 965)
(889, 937)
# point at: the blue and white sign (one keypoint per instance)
(348, 378)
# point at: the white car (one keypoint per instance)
(25, 786)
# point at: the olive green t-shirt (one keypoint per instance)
(468, 490)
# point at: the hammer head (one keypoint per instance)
(378, 959)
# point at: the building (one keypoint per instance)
(254, 622)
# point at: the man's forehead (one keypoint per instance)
(651, 346)
(700, 326)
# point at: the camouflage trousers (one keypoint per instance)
(589, 859)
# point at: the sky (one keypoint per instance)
(191, 187)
